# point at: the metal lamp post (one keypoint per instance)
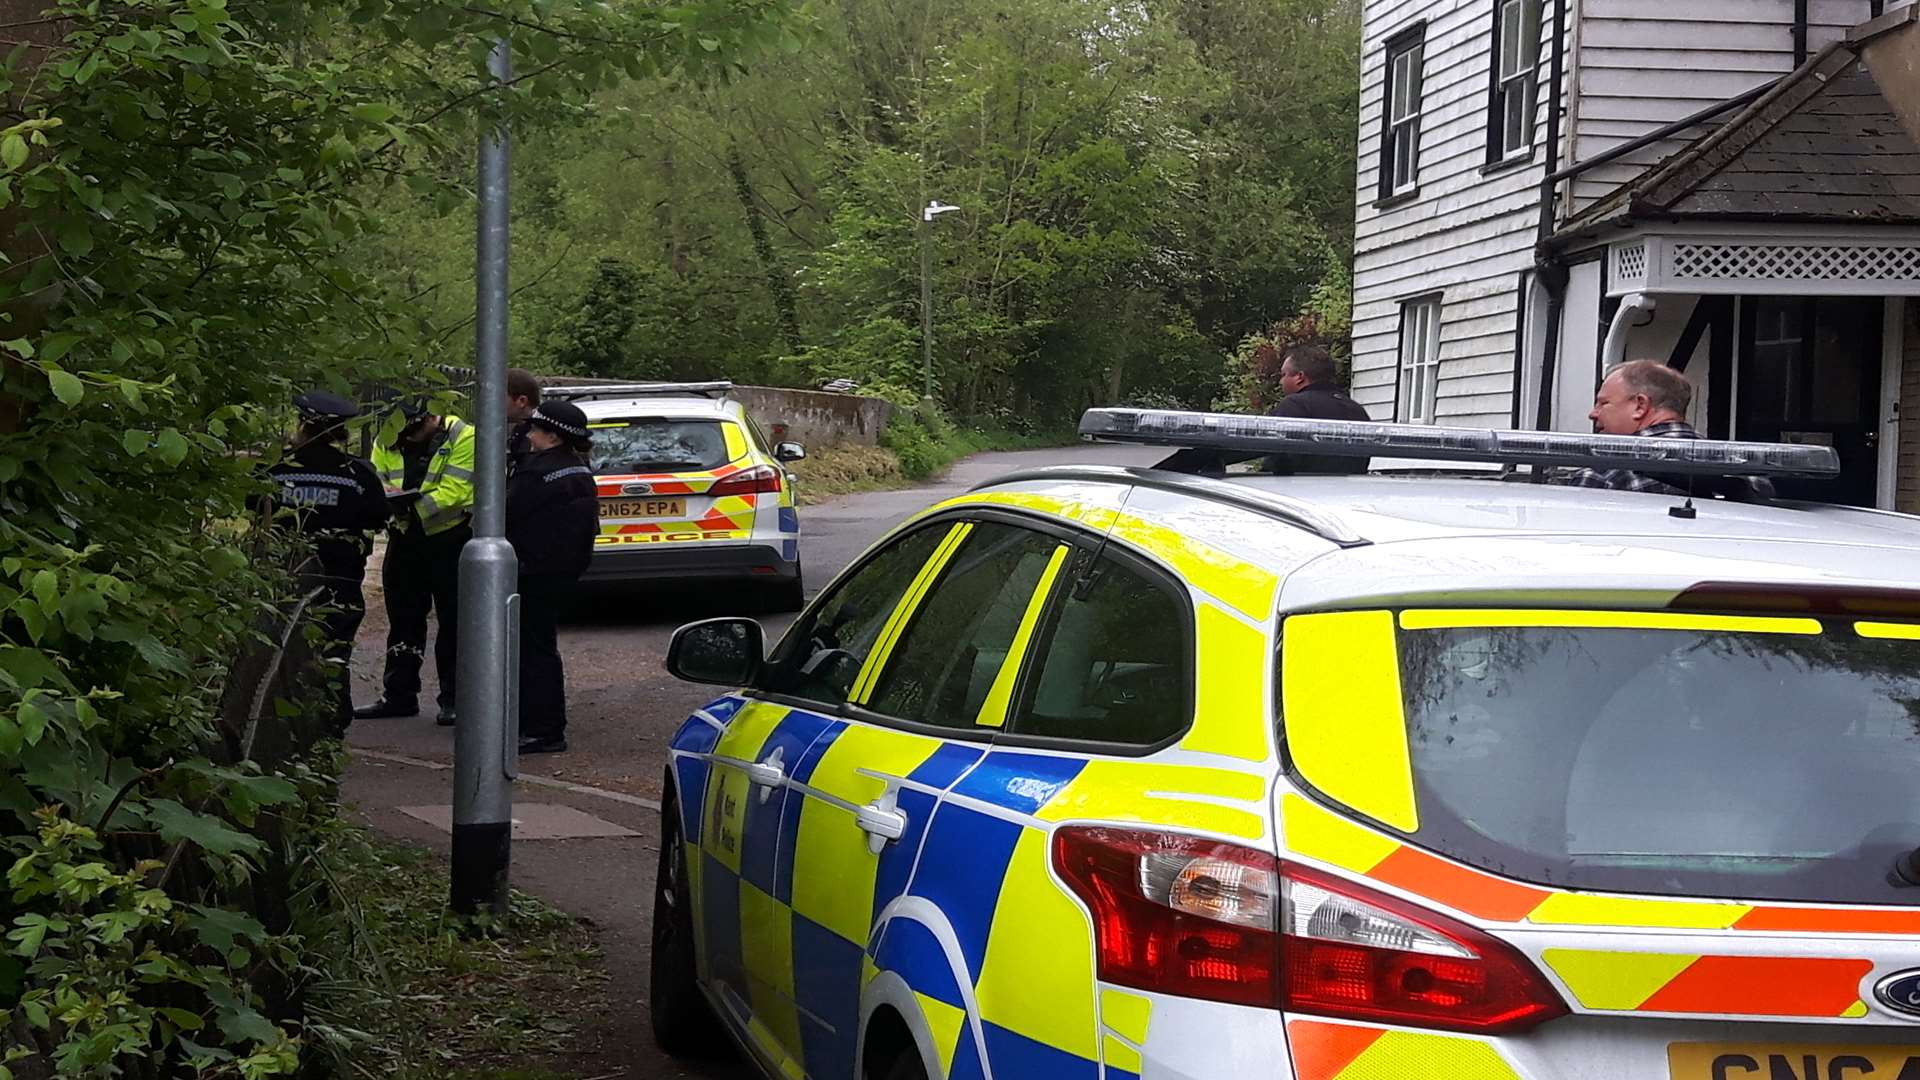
(933, 209)
(487, 699)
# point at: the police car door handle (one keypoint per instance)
(769, 774)
(882, 822)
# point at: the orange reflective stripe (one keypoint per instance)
(1320, 1051)
(1830, 921)
(1763, 986)
(1458, 887)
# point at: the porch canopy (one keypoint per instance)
(1812, 189)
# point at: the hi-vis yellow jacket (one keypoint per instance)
(446, 494)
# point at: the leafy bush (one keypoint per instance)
(191, 179)
(1253, 370)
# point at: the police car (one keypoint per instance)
(690, 489)
(1115, 773)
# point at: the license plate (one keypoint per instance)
(1736, 1061)
(633, 508)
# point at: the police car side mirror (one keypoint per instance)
(789, 451)
(725, 652)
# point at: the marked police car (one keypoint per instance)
(690, 489)
(1115, 773)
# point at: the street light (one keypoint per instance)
(934, 209)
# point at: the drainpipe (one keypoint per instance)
(1799, 32)
(1547, 266)
(1615, 350)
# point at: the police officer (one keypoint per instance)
(552, 517)
(337, 502)
(428, 475)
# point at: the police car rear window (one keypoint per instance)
(643, 445)
(1673, 761)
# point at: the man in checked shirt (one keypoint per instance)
(1640, 397)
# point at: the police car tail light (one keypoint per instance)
(761, 479)
(1177, 914)
(1353, 953)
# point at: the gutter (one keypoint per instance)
(1547, 265)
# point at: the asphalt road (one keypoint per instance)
(623, 709)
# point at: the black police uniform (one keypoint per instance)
(552, 519)
(339, 504)
(1318, 403)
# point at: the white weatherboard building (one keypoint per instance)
(1547, 187)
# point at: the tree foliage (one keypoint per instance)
(1140, 188)
(185, 189)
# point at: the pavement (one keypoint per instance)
(587, 819)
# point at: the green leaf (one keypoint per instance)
(76, 238)
(66, 386)
(135, 442)
(19, 347)
(220, 929)
(171, 446)
(185, 23)
(33, 721)
(182, 1019)
(46, 588)
(130, 390)
(177, 823)
(13, 152)
(710, 44)
(374, 112)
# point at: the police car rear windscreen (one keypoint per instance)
(1779, 760)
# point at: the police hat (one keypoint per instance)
(563, 418)
(319, 406)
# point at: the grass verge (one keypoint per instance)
(415, 1000)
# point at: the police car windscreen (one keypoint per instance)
(658, 446)
(1776, 765)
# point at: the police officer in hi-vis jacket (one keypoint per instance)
(428, 474)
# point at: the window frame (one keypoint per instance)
(1410, 42)
(1503, 85)
(1405, 384)
(1027, 682)
(1059, 531)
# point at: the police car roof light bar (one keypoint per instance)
(1342, 438)
(652, 389)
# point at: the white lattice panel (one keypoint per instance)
(1809, 264)
(1630, 264)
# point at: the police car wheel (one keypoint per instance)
(683, 1022)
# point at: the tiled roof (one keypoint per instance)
(1824, 145)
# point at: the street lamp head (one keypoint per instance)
(935, 209)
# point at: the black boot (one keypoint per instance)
(384, 709)
(543, 744)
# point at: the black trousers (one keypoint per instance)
(343, 606)
(422, 575)
(543, 682)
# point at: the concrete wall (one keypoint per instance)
(815, 417)
(812, 418)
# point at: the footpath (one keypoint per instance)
(589, 853)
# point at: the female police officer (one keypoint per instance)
(552, 518)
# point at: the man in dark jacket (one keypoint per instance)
(553, 515)
(336, 501)
(1310, 379)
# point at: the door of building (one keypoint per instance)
(1810, 373)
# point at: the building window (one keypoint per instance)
(1400, 120)
(1516, 86)
(1419, 360)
